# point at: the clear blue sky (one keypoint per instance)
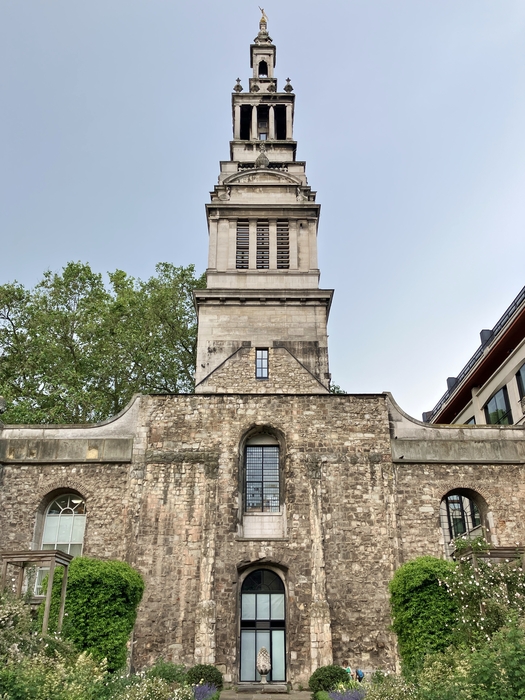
(410, 115)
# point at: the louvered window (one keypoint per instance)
(283, 245)
(243, 245)
(263, 245)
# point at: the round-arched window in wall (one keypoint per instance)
(462, 515)
(64, 524)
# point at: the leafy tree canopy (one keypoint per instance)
(74, 351)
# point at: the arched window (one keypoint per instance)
(64, 524)
(263, 69)
(461, 516)
(63, 528)
(263, 624)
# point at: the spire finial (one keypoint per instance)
(263, 23)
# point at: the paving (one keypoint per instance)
(269, 694)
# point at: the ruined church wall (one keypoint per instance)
(335, 557)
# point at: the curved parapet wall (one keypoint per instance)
(414, 441)
(108, 441)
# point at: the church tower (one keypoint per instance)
(262, 317)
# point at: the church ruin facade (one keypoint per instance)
(261, 510)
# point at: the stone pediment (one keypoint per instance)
(261, 175)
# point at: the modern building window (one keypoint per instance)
(283, 245)
(471, 421)
(262, 479)
(497, 410)
(64, 526)
(263, 245)
(460, 516)
(261, 363)
(263, 624)
(243, 245)
(520, 378)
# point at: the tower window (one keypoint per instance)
(246, 118)
(261, 364)
(280, 122)
(263, 69)
(283, 245)
(263, 117)
(262, 478)
(263, 245)
(243, 245)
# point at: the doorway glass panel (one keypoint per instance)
(262, 625)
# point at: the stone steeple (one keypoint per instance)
(262, 318)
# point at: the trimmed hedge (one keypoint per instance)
(101, 607)
(326, 678)
(205, 673)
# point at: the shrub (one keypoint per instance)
(492, 672)
(390, 687)
(496, 589)
(145, 689)
(327, 678)
(15, 627)
(204, 673)
(348, 694)
(205, 691)
(101, 607)
(168, 671)
(423, 612)
(45, 676)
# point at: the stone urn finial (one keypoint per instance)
(264, 665)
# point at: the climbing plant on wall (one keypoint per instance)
(423, 612)
(101, 607)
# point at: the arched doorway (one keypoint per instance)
(263, 625)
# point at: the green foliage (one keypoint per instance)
(101, 607)
(204, 673)
(145, 689)
(477, 544)
(327, 678)
(423, 612)
(168, 671)
(42, 676)
(487, 597)
(492, 672)
(336, 389)
(16, 636)
(73, 351)
(390, 687)
(321, 695)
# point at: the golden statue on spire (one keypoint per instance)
(264, 18)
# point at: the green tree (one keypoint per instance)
(74, 351)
